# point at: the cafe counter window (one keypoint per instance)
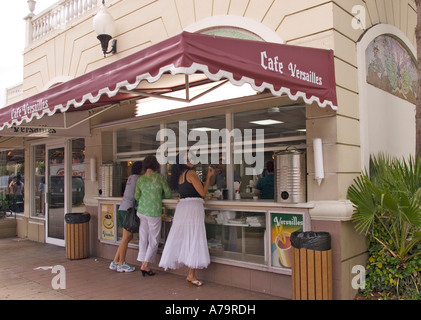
(258, 135)
(239, 225)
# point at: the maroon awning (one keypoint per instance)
(298, 72)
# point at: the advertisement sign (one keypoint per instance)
(282, 225)
(107, 222)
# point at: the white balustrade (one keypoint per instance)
(59, 16)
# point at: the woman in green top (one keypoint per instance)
(150, 189)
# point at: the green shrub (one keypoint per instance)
(387, 209)
(389, 277)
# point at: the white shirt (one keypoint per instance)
(128, 196)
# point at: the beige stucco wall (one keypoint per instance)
(71, 52)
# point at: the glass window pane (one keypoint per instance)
(39, 182)
(11, 195)
(236, 235)
(283, 128)
(137, 140)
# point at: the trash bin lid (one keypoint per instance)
(319, 241)
(77, 217)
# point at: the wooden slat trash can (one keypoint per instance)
(77, 235)
(311, 266)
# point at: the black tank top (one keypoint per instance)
(187, 190)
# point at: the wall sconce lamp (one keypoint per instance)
(318, 160)
(104, 27)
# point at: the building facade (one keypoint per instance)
(373, 44)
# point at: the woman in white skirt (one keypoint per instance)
(186, 243)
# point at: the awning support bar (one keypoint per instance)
(187, 99)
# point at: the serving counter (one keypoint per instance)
(239, 232)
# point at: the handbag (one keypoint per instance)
(131, 221)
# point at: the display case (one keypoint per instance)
(238, 232)
(236, 235)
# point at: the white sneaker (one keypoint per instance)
(113, 265)
(125, 268)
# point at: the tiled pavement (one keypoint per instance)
(25, 274)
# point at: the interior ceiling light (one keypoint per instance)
(266, 122)
(204, 129)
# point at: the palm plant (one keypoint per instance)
(387, 204)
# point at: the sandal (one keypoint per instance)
(196, 283)
(149, 273)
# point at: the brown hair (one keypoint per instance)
(269, 166)
(150, 162)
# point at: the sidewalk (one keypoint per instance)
(26, 274)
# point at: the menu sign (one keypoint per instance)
(282, 225)
(107, 222)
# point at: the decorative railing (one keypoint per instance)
(59, 16)
(14, 94)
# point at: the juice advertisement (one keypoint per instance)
(282, 225)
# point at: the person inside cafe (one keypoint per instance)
(265, 185)
(220, 178)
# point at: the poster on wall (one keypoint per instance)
(107, 222)
(282, 225)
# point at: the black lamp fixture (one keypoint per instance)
(104, 27)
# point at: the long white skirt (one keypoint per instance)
(186, 243)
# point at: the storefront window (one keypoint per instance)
(133, 145)
(136, 143)
(256, 136)
(39, 182)
(11, 171)
(283, 128)
(196, 136)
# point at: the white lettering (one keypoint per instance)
(26, 109)
(303, 75)
(182, 310)
(358, 282)
(263, 56)
(273, 64)
(170, 143)
(59, 281)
